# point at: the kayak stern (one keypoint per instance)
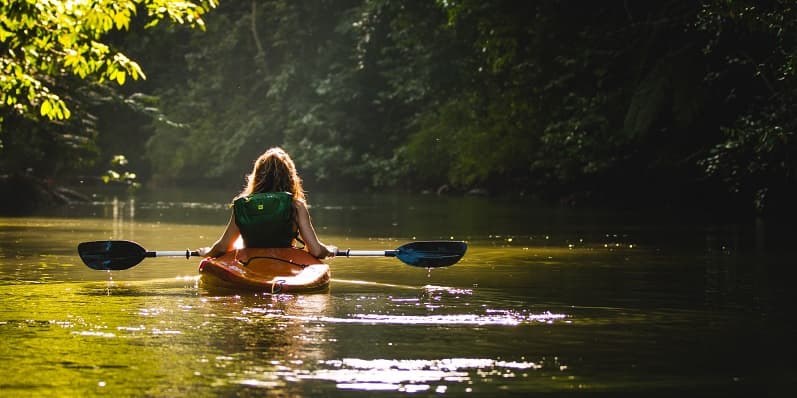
(271, 270)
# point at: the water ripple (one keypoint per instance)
(404, 375)
(499, 319)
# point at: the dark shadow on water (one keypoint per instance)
(139, 289)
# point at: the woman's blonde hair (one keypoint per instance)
(274, 171)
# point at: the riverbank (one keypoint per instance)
(25, 194)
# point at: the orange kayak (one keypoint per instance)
(275, 270)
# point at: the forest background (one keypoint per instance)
(620, 103)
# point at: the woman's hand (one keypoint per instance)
(203, 251)
(331, 251)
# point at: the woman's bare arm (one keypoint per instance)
(306, 230)
(225, 243)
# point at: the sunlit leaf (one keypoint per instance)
(65, 110)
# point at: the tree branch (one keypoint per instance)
(261, 54)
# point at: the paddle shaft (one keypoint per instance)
(345, 253)
(172, 253)
(366, 253)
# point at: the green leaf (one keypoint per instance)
(46, 108)
(151, 23)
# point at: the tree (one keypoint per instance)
(55, 57)
(753, 48)
(265, 74)
(627, 102)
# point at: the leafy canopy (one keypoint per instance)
(42, 41)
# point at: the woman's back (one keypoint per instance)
(266, 219)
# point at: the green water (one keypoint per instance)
(545, 300)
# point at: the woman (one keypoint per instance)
(271, 211)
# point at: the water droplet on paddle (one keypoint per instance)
(428, 272)
(110, 283)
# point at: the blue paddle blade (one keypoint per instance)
(432, 254)
(111, 255)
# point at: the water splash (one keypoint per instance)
(446, 289)
(110, 283)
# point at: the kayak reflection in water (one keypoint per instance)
(271, 211)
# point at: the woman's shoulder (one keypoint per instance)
(260, 198)
(267, 194)
(298, 202)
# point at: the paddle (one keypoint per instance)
(116, 255)
(426, 254)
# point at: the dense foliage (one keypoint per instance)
(54, 58)
(569, 100)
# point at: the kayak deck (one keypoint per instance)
(273, 270)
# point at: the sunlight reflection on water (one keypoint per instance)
(508, 319)
(434, 305)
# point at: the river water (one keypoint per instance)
(545, 300)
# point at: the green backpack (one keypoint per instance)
(266, 219)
